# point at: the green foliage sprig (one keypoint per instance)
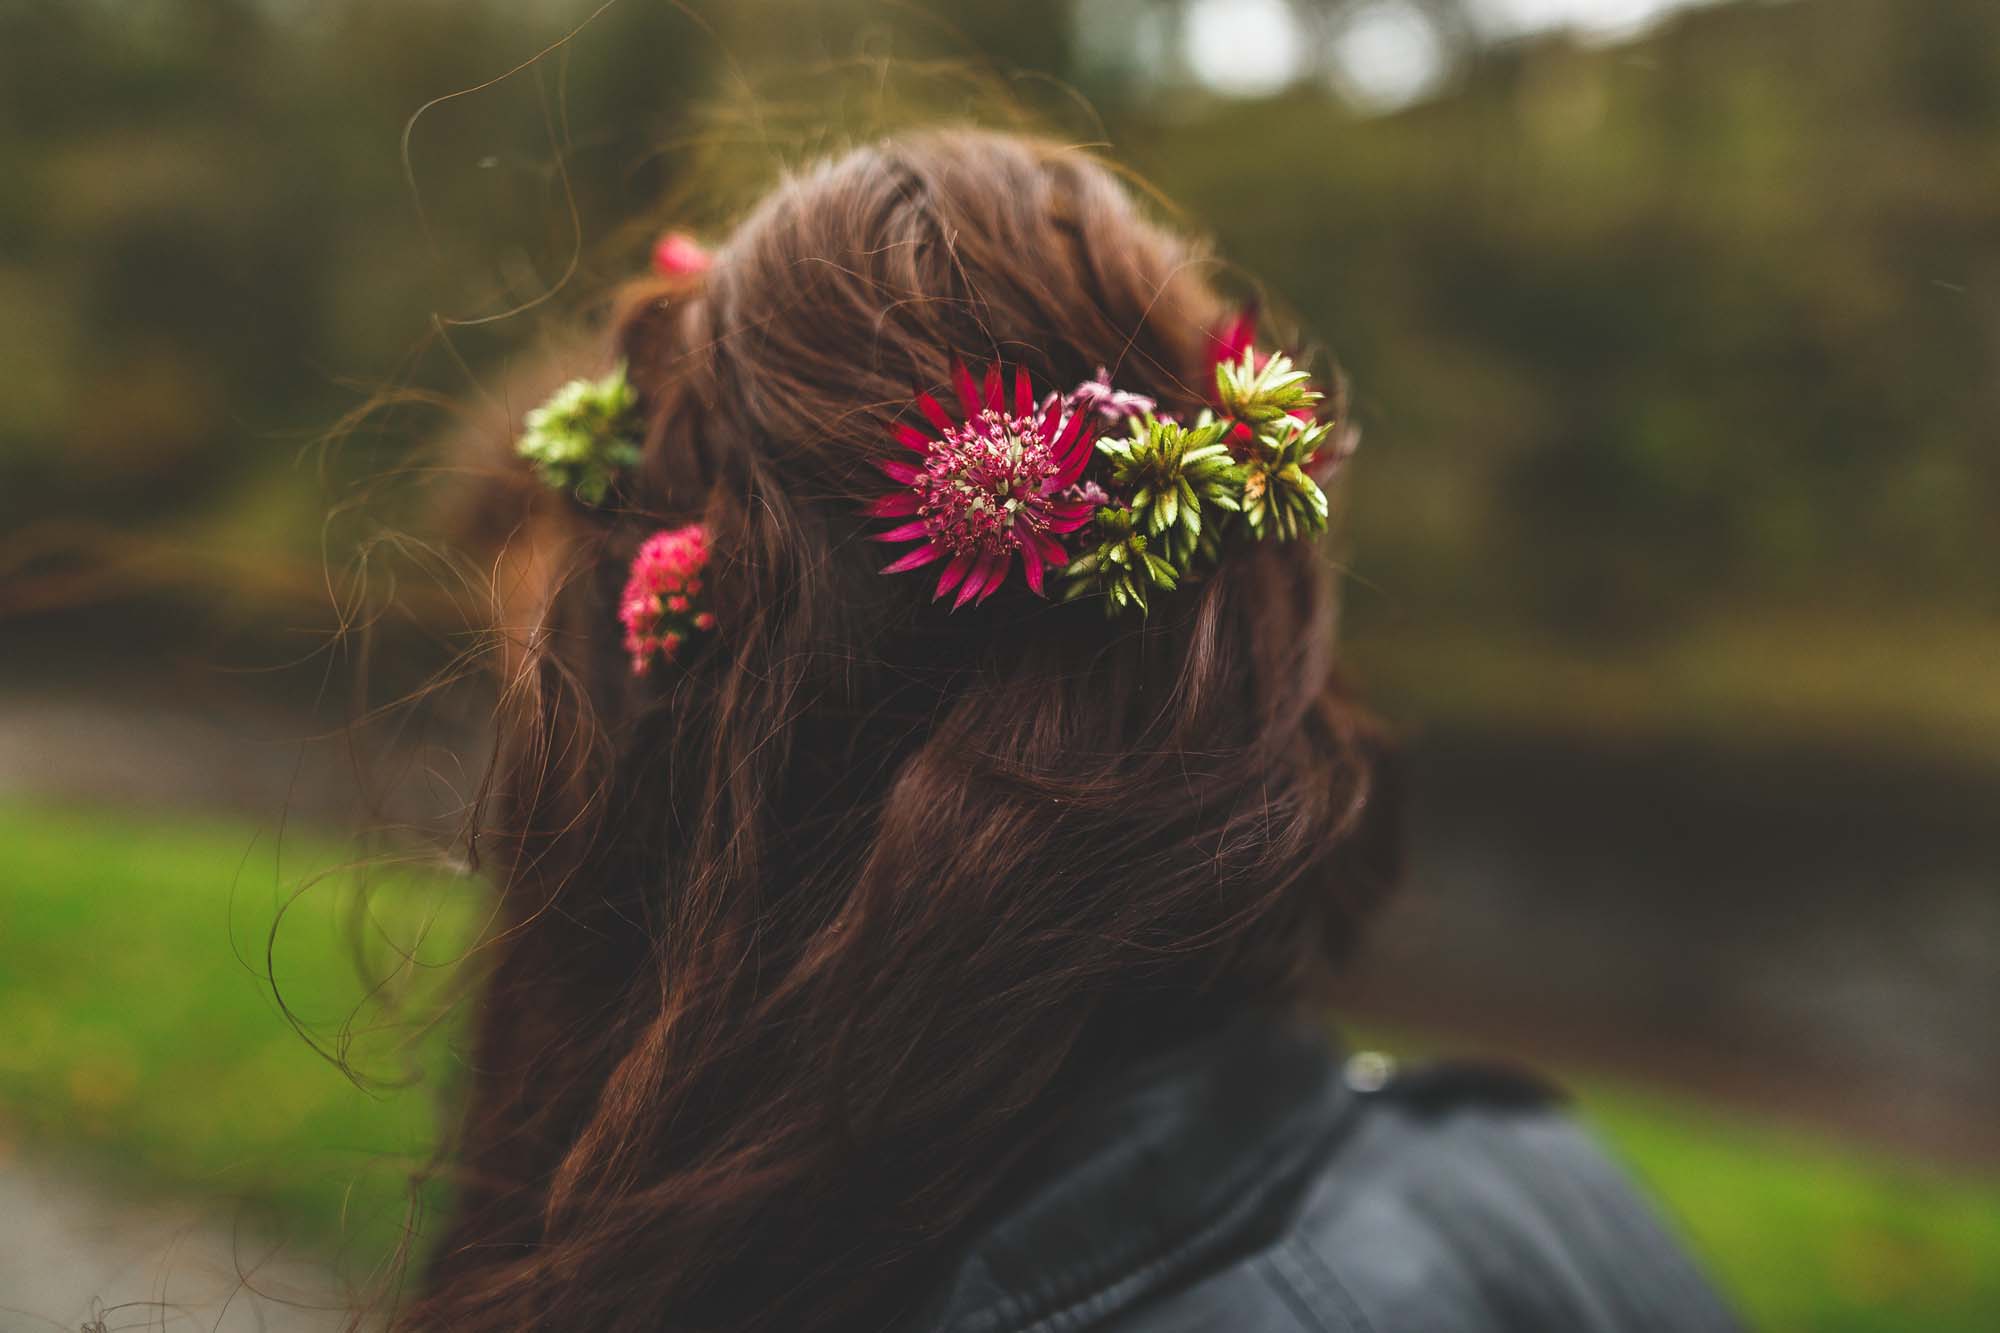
(584, 434)
(1171, 473)
(1119, 566)
(1280, 501)
(1178, 488)
(1256, 393)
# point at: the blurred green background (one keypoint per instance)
(1675, 337)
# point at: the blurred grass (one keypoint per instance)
(1809, 1235)
(144, 1035)
(144, 1039)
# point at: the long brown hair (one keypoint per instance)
(812, 935)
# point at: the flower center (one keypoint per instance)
(983, 481)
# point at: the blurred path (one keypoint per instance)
(210, 751)
(71, 1253)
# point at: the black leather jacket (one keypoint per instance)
(1258, 1182)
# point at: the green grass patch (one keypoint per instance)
(1810, 1235)
(140, 991)
(143, 1035)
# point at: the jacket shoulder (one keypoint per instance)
(1460, 1199)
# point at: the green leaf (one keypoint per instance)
(583, 435)
(1256, 392)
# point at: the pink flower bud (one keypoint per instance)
(679, 255)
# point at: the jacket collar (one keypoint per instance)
(1190, 1159)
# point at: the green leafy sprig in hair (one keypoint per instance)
(1119, 566)
(1275, 400)
(584, 434)
(1256, 392)
(1179, 488)
(1280, 500)
(1171, 473)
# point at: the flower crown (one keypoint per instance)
(1004, 480)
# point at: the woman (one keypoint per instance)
(924, 933)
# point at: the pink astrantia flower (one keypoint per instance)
(661, 606)
(1089, 492)
(679, 255)
(1112, 404)
(994, 484)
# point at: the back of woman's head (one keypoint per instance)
(813, 930)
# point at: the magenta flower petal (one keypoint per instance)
(1233, 338)
(1024, 393)
(983, 569)
(896, 504)
(1052, 552)
(1069, 466)
(953, 574)
(1071, 470)
(1071, 431)
(909, 532)
(968, 392)
(991, 391)
(933, 411)
(997, 575)
(1050, 416)
(914, 559)
(903, 473)
(1031, 569)
(913, 438)
(1066, 525)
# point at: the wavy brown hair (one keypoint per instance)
(810, 938)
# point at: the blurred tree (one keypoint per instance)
(1642, 333)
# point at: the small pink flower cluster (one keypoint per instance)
(660, 607)
(1113, 404)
